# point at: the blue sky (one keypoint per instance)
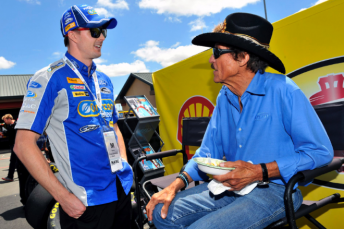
(150, 35)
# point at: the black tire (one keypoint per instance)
(30, 185)
(38, 207)
(54, 217)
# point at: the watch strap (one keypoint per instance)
(265, 173)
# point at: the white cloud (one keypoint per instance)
(319, 1)
(5, 64)
(57, 54)
(197, 24)
(122, 69)
(193, 7)
(301, 10)
(166, 57)
(104, 12)
(99, 61)
(120, 4)
(173, 19)
(33, 1)
(316, 3)
(175, 45)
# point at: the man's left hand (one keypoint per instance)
(244, 174)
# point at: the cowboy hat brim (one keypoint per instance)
(210, 39)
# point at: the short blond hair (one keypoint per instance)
(7, 116)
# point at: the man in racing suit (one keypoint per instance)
(73, 102)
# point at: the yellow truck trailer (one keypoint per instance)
(310, 44)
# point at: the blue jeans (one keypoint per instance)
(198, 208)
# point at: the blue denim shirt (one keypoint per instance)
(277, 123)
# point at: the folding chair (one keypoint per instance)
(307, 206)
(191, 127)
(193, 132)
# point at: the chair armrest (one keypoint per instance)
(305, 176)
(309, 175)
(162, 154)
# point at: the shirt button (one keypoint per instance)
(239, 129)
(240, 146)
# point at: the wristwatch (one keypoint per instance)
(265, 180)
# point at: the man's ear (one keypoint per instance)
(244, 58)
(72, 37)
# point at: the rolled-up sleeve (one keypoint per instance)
(312, 145)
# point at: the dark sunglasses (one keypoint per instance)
(95, 32)
(218, 52)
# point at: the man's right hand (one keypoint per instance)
(165, 197)
(72, 205)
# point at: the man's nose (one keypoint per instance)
(212, 59)
(101, 37)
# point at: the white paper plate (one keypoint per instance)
(210, 166)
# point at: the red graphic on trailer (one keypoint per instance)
(331, 89)
(191, 103)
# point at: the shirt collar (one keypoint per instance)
(257, 85)
(83, 69)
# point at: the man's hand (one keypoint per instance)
(165, 196)
(72, 205)
(244, 173)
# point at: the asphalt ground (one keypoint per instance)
(12, 214)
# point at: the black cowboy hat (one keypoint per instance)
(245, 31)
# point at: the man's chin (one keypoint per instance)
(97, 56)
(216, 79)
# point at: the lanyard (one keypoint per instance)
(98, 97)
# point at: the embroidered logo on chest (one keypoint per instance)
(262, 116)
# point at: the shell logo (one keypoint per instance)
(195, 106)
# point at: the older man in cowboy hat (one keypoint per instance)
(262, 123)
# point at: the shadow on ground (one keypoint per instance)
(13, 214)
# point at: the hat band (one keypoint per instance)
(249, 39)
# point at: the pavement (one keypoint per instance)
(12, 215)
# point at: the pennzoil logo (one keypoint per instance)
(80, 93)
(52, 68)
(88, 108)
(31, 94)
(74, 80)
